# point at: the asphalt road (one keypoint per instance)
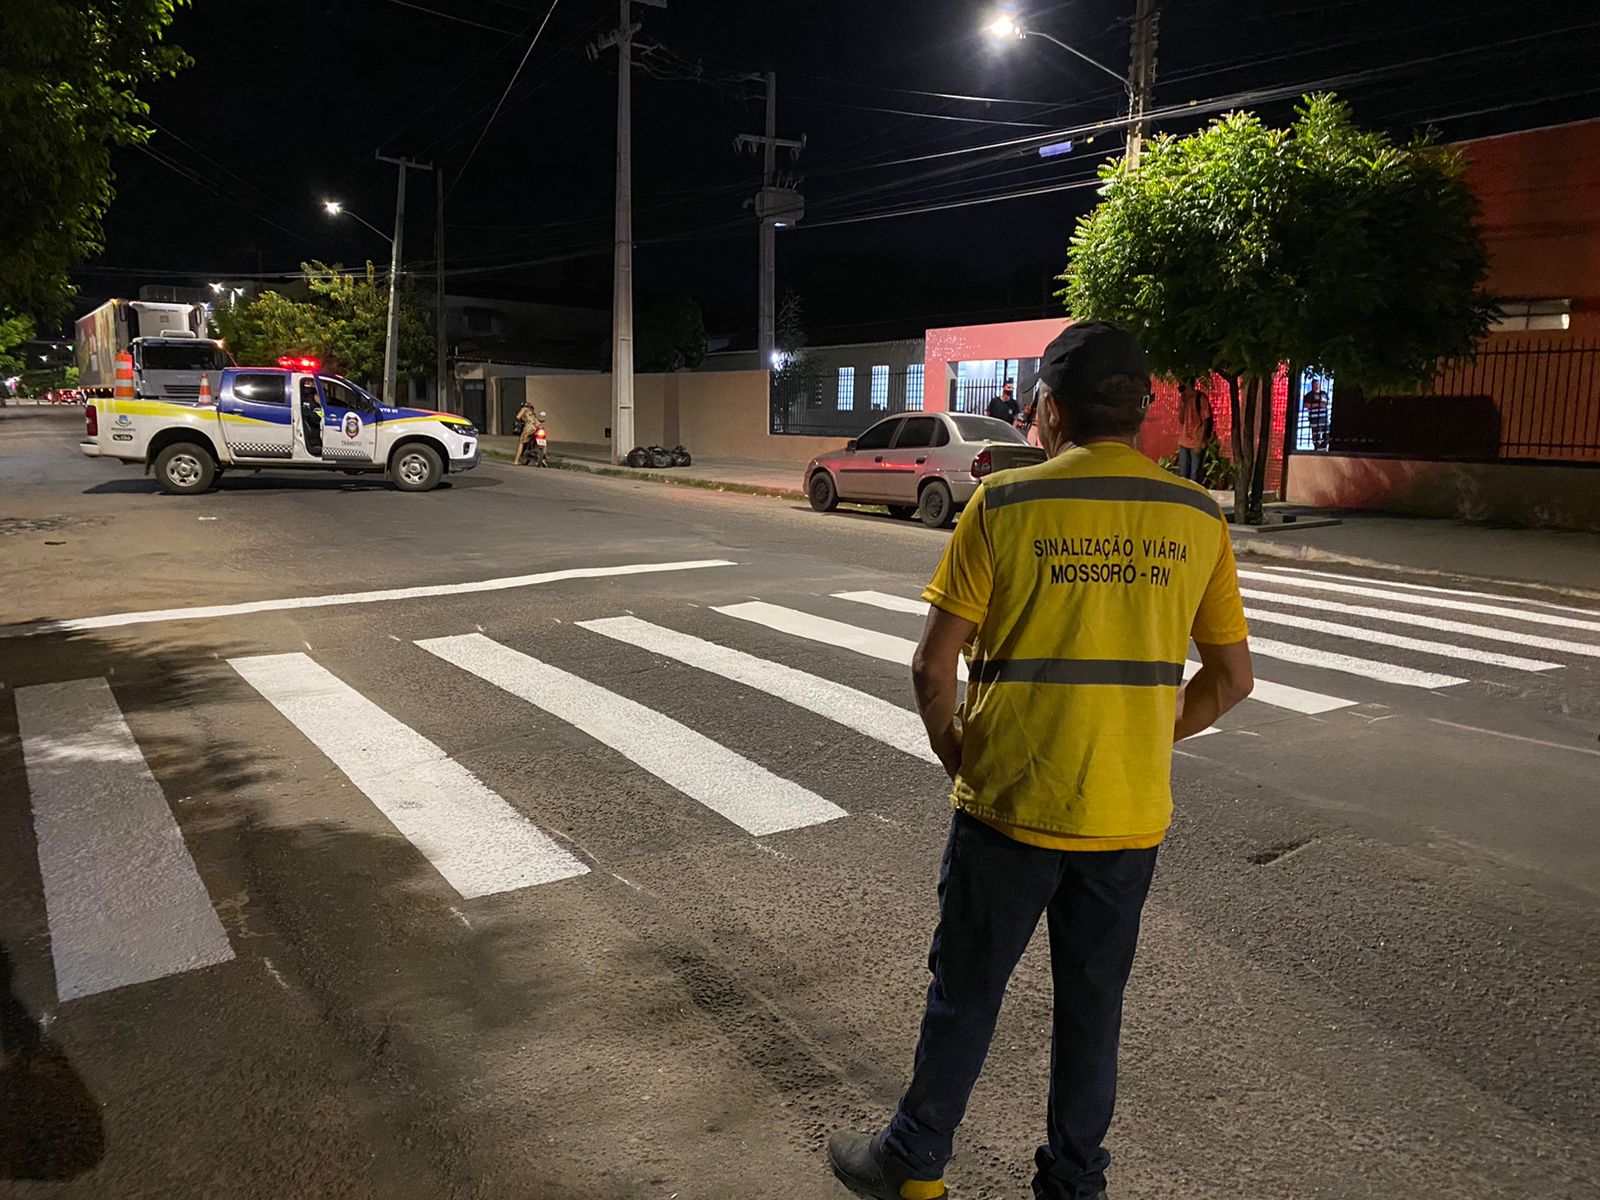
(291, 905)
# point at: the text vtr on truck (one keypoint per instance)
(289, 417)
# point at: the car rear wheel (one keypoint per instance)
(416, 468)
(902, 512)
(824, 496)
(185, 469)
(936, 507)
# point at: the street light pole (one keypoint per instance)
(622, 255)
(441, 381)
(1141, 77)
(391, 341)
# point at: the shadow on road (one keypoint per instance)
(50, 1125)
(144, 486)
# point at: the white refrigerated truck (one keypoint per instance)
(168, 343)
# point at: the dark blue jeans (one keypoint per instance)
(992, 891)
(1190, 463)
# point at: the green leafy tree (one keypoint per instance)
(342, 320)
(670, 336)
(68, 79)
(1241, 247)
(14, 335)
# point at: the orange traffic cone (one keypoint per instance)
(205, 389)
(123, 381)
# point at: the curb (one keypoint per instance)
(1267, 548)
(709, 485)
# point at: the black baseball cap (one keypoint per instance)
(1084, 355)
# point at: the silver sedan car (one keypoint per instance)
(928, 464)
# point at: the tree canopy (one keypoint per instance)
(342, 320)
(68, 82)
(1241, 247)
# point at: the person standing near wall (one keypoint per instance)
(1196, 427)
(1061, 758)
(1004, 407)
(1315, 405)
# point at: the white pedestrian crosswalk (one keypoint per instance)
(478, 842)
(126, 903)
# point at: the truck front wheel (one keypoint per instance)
(185, 469)
(416, 468)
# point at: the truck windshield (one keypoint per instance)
(173, 356)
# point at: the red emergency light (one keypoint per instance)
(295, 362)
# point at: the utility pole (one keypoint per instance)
(391, 341)
(622, 256)
(1141, 77)
(441, 381)
(776, 207)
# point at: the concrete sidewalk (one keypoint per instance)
(1549, 558)
(745, 475)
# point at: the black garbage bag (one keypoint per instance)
(638, 457)
(680, 457)
(660, 457)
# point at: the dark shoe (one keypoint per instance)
(858, 1164)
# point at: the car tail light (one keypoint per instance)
(91, 421)
(983, 464)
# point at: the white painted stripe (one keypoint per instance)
(1424, 587)
(1281, 695)
(747, 794)
(1487, 632)
(477, 841)
(1383, 638)
(1368, 668)
(878, 719)
(1491, 610)
(832, 633)
(122, 896)
(901, 604)
(115, 620)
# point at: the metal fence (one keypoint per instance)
(819, 401)
(1525, 398)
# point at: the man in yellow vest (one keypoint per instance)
(1077, 584)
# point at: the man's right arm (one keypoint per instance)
(1222, 638)
(1225, 678)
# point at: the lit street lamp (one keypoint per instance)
(336, 208)
(1006, 26)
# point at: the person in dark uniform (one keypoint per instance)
(1004, 407)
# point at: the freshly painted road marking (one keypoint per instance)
(727, 783)
(832, 633)
(1368, 668)
(1383, 638)
(1281, 695)
(477, 841)
(879, 719)
(902, 604)
(1424, 587)
(115, 620)
(121, 893)
(1488, 632)
(1467, 606)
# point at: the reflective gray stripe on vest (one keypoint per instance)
(1123, 672)
(1100, 487)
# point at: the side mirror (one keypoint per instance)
(850, 445)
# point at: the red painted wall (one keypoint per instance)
(1540, 192)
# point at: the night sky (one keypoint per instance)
(288, 99)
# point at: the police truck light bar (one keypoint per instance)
(296, 362)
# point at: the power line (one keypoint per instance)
(927, 208)
(461, 170)
(444, 16)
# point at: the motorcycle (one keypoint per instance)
(538, 449)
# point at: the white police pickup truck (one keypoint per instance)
(292, 417)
